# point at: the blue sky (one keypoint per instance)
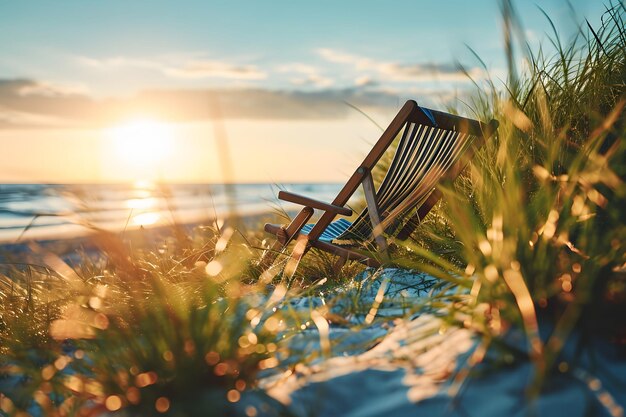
(93, 64)
(107, 47)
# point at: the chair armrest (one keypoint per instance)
(309, 202)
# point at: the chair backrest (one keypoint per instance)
(433, 145)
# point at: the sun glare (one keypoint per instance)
(144, 143)
(146, 219)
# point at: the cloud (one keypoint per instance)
(31, 104)
(24, 87)
(397, 71)
(304, 75)
(27, 103)
(39, 109)
(117, 62)
(49, 89)
(12, 118)
(179, 67)
(215, 69)
(332, 55)
(314, 80)
(365, 81)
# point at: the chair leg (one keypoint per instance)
(372, 211)
(268, 257)
(341, 261)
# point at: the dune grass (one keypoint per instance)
(541, 244)
(183, 326)
(146, 329)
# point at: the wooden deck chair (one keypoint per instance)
(433, 146)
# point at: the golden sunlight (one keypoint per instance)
(142, 142)
(146, 219)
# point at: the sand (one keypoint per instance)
(417, 366)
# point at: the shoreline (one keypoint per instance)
(65, 244)
(67, 211)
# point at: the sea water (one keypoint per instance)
(49, 211)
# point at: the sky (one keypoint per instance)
(247, 91)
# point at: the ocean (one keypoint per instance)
(52, 211)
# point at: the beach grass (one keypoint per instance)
(541, 244)
(531, 237)
(136, 328)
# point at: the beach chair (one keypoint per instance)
(432, 146)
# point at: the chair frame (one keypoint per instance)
(409, 113)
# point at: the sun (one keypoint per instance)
(141, 143)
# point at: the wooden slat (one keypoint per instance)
(451, 174)
(444, 153)
(310, 202)
(347, 253)
(449, 122)
(403, 154)
(409, 175)
(372, 211)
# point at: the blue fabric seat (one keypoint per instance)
(333, 231)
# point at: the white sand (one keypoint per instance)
(414, 369)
